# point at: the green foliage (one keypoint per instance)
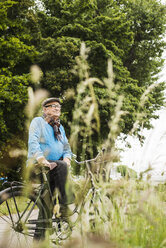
(13, 156)
(13, 95)
(17, 54)
(15, 37)
(143, 59)
(111, 29)
(126, 172)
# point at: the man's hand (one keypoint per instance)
(43, 161)
(52, 165)
(67, 160)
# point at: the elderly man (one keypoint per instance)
(48, 146)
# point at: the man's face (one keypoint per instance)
(52, 109)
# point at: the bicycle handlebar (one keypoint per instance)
(90, 160)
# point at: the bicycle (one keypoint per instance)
(24, 213)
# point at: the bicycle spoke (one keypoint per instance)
(22, 220)
(5, 219)
(18, 219)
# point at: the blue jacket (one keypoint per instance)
(42, 142)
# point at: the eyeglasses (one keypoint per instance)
(53, 106)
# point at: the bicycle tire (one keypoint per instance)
(19, 221)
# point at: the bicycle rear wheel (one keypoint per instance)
(19, 218)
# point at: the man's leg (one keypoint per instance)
(58, 177)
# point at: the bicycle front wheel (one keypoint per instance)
(21, 218)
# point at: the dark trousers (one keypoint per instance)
(57, 179)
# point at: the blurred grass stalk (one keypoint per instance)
(34, 97)
(86, 116)
(33, 107)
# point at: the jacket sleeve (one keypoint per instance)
(34, 149)
(67, 153)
